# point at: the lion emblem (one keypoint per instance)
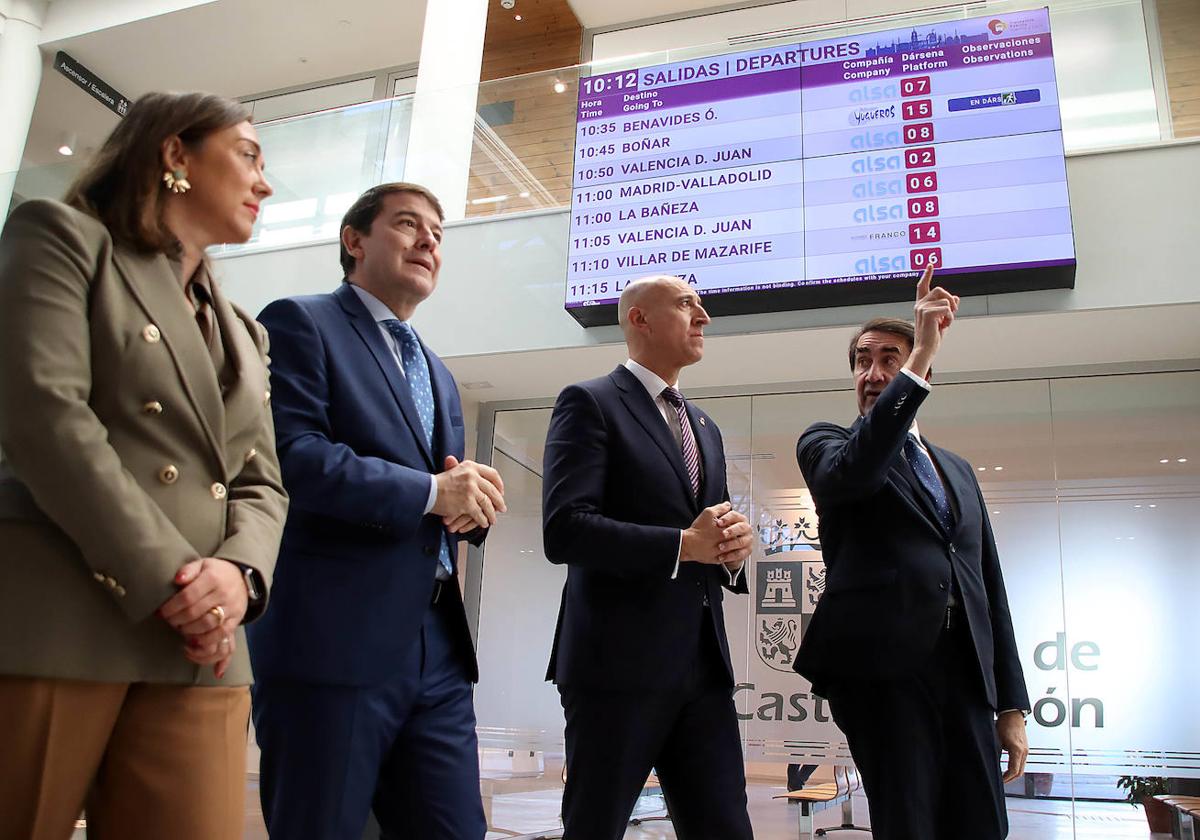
(777, 642)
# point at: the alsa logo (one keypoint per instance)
(997, 26)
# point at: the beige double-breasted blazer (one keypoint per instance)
(122, 459)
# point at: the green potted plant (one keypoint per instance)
(1140, 790)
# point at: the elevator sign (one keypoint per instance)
(93, 85)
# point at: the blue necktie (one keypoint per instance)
(416, 373)
(927, 475)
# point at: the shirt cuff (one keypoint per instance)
(918, 379)
(678, 557)
(733, 576)
(432, 500)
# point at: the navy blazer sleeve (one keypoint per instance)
(1011, 692)
(573, 488)
(838, 468)
(323, 476)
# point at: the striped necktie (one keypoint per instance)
(691, 453)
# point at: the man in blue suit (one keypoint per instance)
(636, 505)
(912, 641)
(364, 663)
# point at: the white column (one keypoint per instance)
(443, 115)
(20, 74)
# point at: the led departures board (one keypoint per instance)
(826, 173)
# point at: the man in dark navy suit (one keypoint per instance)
(364, 662)
(912, 642)
(636, 505)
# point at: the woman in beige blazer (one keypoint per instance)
(140, 499)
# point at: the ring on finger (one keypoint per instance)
(224, 642)
(219, 612)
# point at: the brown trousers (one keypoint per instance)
(145, 760)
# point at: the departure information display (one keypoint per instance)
(828, 172)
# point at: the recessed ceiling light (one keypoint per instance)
(1181, 460)
(1164, 460)
(66, 148)
(1137, 506)
(1153, 506)
(995, 512)
(559, 87)
(997, 469)
(523, 194)
(982, 469)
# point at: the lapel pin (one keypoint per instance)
(701, 421)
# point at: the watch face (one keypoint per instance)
(251, 584)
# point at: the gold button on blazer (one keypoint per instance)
(103, 495)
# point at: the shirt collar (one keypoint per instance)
(651, 381)
(915, 432)
(375, 306)
(201, 278)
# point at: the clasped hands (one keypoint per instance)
(208, 632)
(469, 495)
(719, 536)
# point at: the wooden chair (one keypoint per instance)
(1185, 814)
(818, 797)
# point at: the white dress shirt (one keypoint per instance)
(381, 313)
(655, 385)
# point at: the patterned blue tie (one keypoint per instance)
(927, 475)
(416, 373)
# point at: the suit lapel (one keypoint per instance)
(916, 493)
(154, 286)
(245, 395)
(952, 478)
(708, 455)
(909, 489)
(642, 407)
(368, 331)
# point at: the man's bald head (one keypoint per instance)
(663, 323)
(639, 293)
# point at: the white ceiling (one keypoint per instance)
(233, 47)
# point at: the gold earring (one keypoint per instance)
(176, 181)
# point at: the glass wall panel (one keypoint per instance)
(319, 163)
(522, 151)
(1126, 453)
(520, 721)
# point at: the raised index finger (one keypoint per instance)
(926, 280)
